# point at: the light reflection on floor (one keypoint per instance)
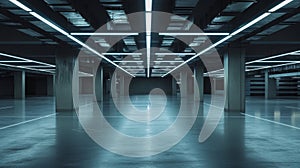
(238, 141)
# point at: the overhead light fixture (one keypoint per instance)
(148, 5)
(167, 61)
(24, 60)
(250, 23)
(148, 21)
(193, 34)
(105, 34)
(200, 53)
(125, 61)
(57, 28)
(49, 23)
(175, 54)
(259, 18)
(13, 61)
(271, 57)
(20, 5)
(122, 54)
(282, 4)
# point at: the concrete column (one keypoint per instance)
(66, 64)
(234, 84)
(50, 85)
(270, 86)
(213, 85)
(98, 84)
(199, 80)
(19, 85)
(113, 85)
(183, 84)
(174, 85)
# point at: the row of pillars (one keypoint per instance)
(234, 80)
(67, 64)
(19, 85)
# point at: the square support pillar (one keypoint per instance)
(234, 79)
(270, 86)
(99, 83)
(199, 81)
(19, 85)
(67, 80)
(183, 84)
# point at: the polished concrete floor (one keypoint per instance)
(267, 135)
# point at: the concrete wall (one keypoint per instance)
(7, 87)
(36, 86)
(145, 85)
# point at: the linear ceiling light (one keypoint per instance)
(193, 34)
(20, 5)
(148, 19)
(250, 23)
(105, 34)
(125, 61)
(282, 4)
(49, 23)
(122, 54)
(175, 53)
(24, 60)
(167, 61)
(271, 57)
(41, 18)
(14, 61)
(259, 18)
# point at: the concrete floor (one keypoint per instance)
(268, 135)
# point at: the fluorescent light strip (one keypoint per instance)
(175, 53)
(24, 59)
(14, 61)
(148, 5)
(271, 57)
(67, 34)
(20, 5)
(122, 54)
(105, 34)
(282, 4)
(49, 23)
(275, 61)
(36, 66)
(128, 61)
(22, 67)
(250, 23)
(193, 34)
(148, 19)
(200, 53)
(167, 61)
(264, 15)
(148, 39)
(97, 53)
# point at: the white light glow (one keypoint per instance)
(148, 40)
(175, 54)
(128, 61)
(22, 6)
(148, 5)
(25, 59)
(167, 61)
(193, 34)
(14, 61)
(49, 23)
(250, 23)
(105, 34)
(122, 54)
(282, 4)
